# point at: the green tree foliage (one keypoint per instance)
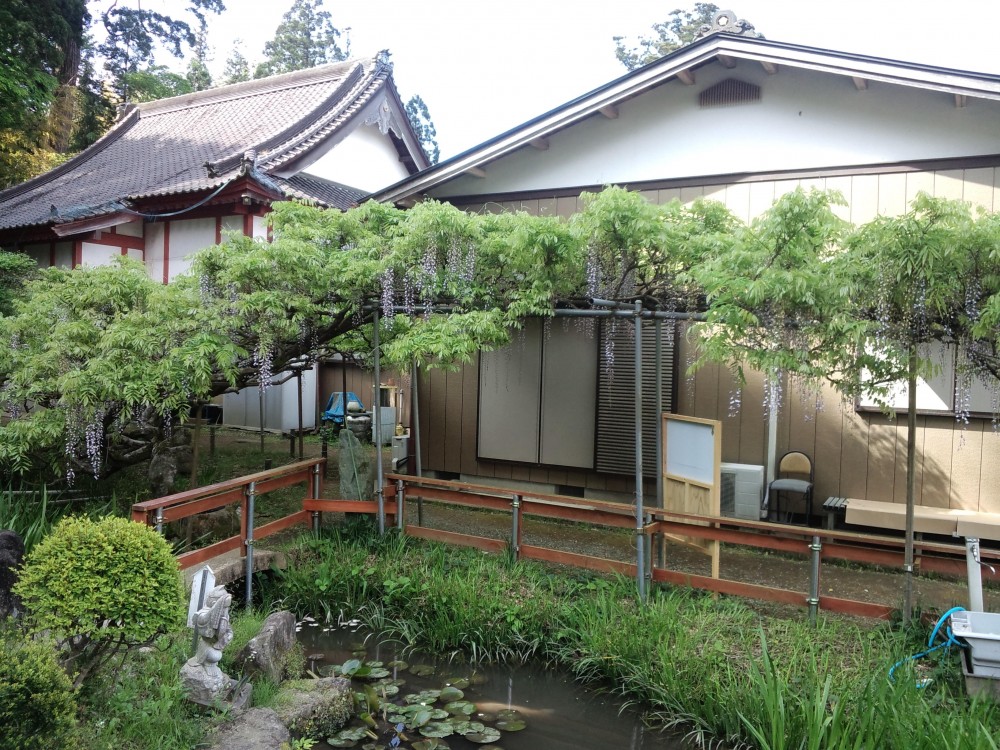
(305, 38)
(237, 66)
(99, 588)
(423, 126)
(15, 270)
(37, 699)
(680, 28)
(156, 82)
(198, 75)
(132, 34)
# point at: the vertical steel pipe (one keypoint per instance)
(813, 601)
(380, 478)
(415, 422)
(658, 329)
(317, 518)
(400, 497)
(159, 520)
(640, 561)
(251, 497)
(515, 530)
(975, 575)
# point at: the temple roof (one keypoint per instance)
(262, 129)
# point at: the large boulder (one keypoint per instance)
(268, 652)
(256, 729)
(315, 708)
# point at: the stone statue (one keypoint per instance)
(203, 680)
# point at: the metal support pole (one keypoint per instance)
(298, 379)
(400, 497)
(813, 601)
(159, 520)
(317, 517)
(415, 419)
(251, 496)
(640, 562)
(660, 545)
(380, 478)
(260, 406)
(975, 574)
(515, 530)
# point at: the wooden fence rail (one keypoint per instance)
(853, 547)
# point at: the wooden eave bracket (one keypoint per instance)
(769, 67)
(542, 144)
(686, 77)
(610, 111)
(476, 172)
(726, 61)
(960, 101)
(861, 84)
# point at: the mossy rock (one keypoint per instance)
(315, 708)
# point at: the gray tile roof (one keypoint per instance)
(197, 142)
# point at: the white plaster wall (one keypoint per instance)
(281, 405)
(131, 228)
(365, 159)
(186, 238)
(231, 225)
(260, 227)
(154, 250)
(804, 120)
(135, 253)
(98, 255)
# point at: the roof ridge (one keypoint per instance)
(117, 131)
(347, 84)
(254, 87)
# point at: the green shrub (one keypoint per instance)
(99, 587)
(37, 700)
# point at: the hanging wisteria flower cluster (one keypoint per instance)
(263, 360)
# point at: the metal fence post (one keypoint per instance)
(400, 492)
(813, 601)
(317, 518)
(515, 531)
(159, 520)
(251, 496)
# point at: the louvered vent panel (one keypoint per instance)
(729, 93)
(616, 397)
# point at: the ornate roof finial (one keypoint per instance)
(726, 22)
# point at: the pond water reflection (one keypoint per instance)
(559, 714)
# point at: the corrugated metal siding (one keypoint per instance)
(616, 396)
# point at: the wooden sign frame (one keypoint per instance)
(692, 473)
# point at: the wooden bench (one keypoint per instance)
(926, 520)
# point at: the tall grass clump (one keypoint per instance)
(28, 515)
(712, 666)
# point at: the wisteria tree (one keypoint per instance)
(98, 366)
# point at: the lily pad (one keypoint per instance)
(489, 734)
(422, 670)
(464, 708)
(347, 737)
(398, 664)
(450, 694)
(508, 714)
(457, 682)
(388, 690)
(431, 743)
(375, 664)
(437, 729)
(373, 673)
(511, 725)
(424, 696)
(468, 727)
(419, 719)
(486, 717)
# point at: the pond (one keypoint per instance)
(555, 712)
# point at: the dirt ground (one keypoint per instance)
(847, 581)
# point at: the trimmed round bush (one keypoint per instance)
(37, 700)
(99, 587)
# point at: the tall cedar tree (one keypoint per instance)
(680, 28)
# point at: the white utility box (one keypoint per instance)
(981, 630)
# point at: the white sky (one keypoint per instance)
(484, 67)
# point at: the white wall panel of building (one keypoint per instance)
(365, 159)
(281, 405)
(154, 250)
(98, 255)
(187, 237)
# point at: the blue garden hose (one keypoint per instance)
(931, 648)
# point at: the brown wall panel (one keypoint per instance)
(437, 409)
(966, 458)
(753, 423)
(899, 490)
(892, 194)
(453, 421)
(730, 417)
(881, 458)
(978, 188)
(989, 480)
(829, 436)
(936, 463)
(470, 409)
(854, 455)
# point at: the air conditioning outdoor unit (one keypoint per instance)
(742, 491)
